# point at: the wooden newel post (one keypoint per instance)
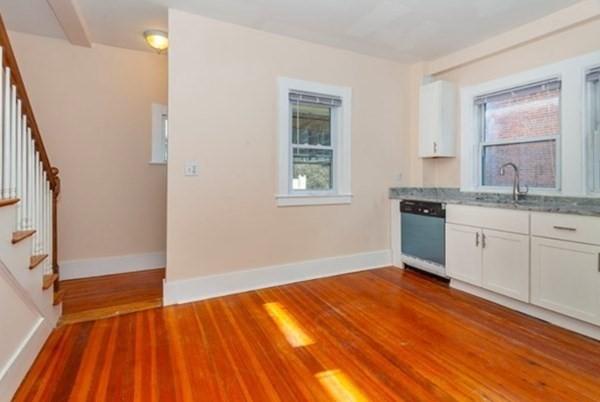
(55, 193)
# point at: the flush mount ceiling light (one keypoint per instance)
(158, 40)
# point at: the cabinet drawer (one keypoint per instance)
(489, 218)
(581, 229)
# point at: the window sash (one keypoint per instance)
(546, 85)
(481, 169)
(481, 109)
(314, 99)
(593, 75)
(165, 135)
(593, 124)
(333, 147)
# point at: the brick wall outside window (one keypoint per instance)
(523, 116)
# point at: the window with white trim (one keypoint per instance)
(314, 143)
(160, 134)
(313, 151)
(521, 125)
(593, 128)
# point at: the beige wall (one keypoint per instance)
(578, 40)
(93, 107)
(222, 98)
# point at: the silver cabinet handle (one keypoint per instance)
(477, 239)
(483, 240)
(565, 228)
(435, 147)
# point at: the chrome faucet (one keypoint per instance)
(517, 193)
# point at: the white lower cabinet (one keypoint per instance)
(495, 260)
(543, 264)
(565, 277)
(463, 253)
(506, 264)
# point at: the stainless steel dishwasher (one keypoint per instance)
(423, 237)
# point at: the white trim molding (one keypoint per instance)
(158, 135)
(396, 233)
(206, 287)
(286, 200)
(341, 141)
(571, 150)
(74, 269)
(557, 319)
(15, 370)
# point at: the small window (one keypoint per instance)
(160, 134)
(313, 151)
(522, 126)
(314, 136)
(593, 86)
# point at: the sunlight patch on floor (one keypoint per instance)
(340, 387)
(288, 326)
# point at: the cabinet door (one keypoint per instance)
(565, 277)
(506, 264)
(463, 253)
(429, 121)
(437, 111)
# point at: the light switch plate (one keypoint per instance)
(192, 168)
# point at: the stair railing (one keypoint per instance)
(26, 173)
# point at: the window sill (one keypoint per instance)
(164, 163)
(289, 200)
(508, 190)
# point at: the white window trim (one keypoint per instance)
(158, 149)
(341, 192)
(571, 149)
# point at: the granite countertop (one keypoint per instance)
(566, 205)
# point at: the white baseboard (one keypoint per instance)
(111, 265)
(206, 287)
(557, 319)
(17, 368)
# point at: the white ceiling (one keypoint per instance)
(404, 30)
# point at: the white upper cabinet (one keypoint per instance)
(437, 120)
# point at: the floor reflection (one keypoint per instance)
(288, 326)
(340, 387)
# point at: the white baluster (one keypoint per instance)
(36, 197)
(6, 133)
(42, 246)
(40, 228)
(48, 224)
(46, 220)
(30, 180)
(12, 177)
(50, 230)
(18, 161)
(23, 181)
(2, 112)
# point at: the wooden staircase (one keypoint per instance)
(29, 189)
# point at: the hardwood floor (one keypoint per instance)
(381, 335)
(106, 296)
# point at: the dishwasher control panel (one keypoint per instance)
(423, 208)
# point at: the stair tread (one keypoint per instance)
(21, 235)
(58, 297)
(35, 260)
(8, 201)
(49, 280)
